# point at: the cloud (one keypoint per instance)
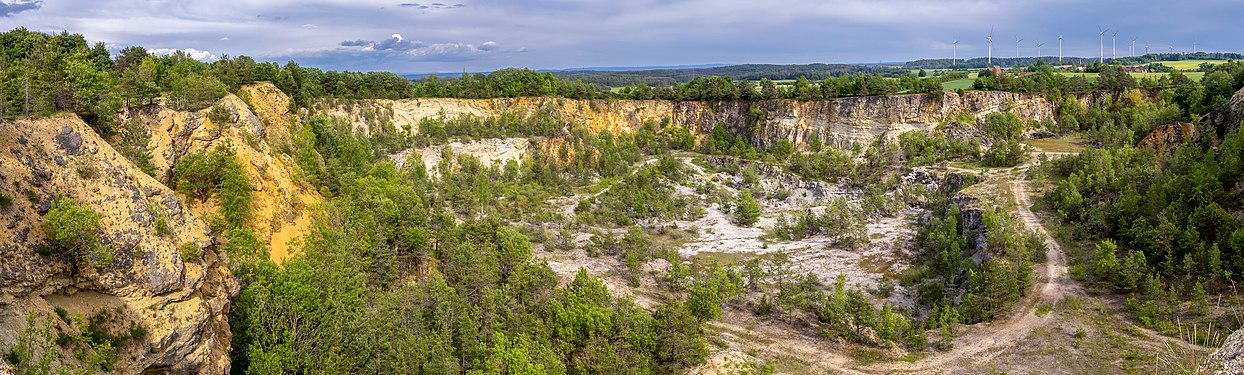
(432, 5)
(356, 43)
(395, 52)
(8, 8)
(204, 56)
(396, 45)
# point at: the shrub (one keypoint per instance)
(161, 227)
(88, 171)
(189, 252)
(73, 230)
(220, 115)
(5, 200)
(216, 173)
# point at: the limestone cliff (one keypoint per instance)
(838, 122)
(181, 304)
(258, 131)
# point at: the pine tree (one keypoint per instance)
(746, 210)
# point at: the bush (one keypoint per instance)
(73, 230)
(220, 115)
(189, 252)
(161, 227)
(216, 173)
(1007, 153)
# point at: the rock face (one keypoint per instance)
(1227, 119)
(1228, 359)
(280, 211)
(182, 305)
(1167, 138)
(837, 122)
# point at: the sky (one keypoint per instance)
(422, 36)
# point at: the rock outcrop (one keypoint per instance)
(283, 198)
(1227, 119)
(838, 122)
(1167, 138)
(1228, 359)
(181, 304)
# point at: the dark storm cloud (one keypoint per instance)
(480, 35)
(10, 8)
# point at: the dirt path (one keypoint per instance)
(985, 340)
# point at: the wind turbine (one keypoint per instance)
(990, 40)
(1132, 51)
(1017, 40)
(1113, 38)
(954, 52)
(1172, 48)
(1060, 47)
(1101, 46)
(1194, 46)
(1146, 50)
(1039, 44)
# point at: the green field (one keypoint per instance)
(965, 84)
(1189, 64)
(1092, 77)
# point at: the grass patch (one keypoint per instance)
(1061, 144)
(1045, 308)
(724, 259)
(877, 263)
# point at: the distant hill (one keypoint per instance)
(667, 77)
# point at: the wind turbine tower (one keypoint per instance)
(954, 52)
(1195, 46)
(1017, 40)
(1132, 50)
(1101, 44)
(1113, 39)
(990, 40)
(1039, 44)
(1060, 47)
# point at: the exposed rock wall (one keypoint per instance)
(181, 304)
(280, 211)
(1166, 138)
(837, 122)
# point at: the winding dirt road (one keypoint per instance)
(985, 340)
